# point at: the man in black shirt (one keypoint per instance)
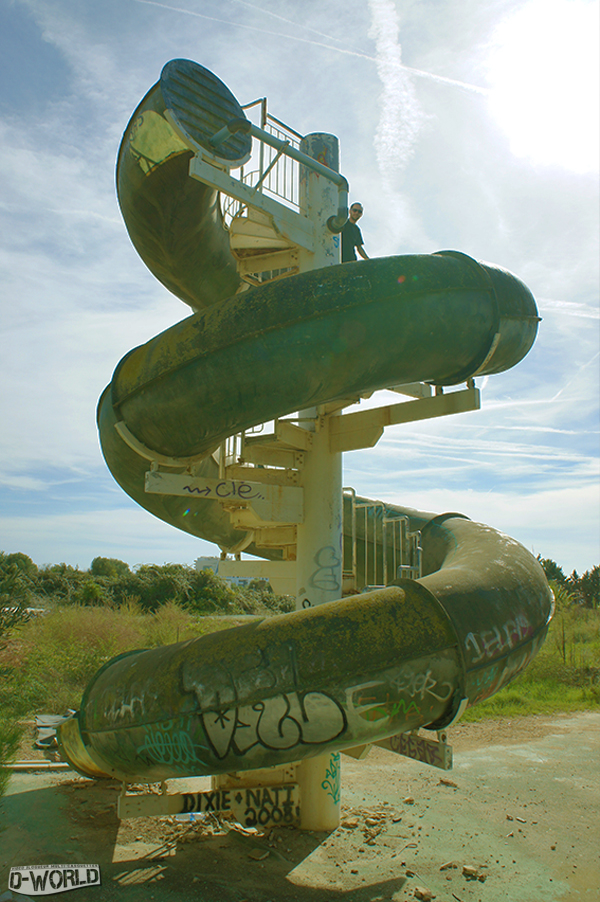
(352, 237)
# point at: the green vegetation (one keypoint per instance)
(14, 597)
(565, 674)
(50, 659)
(583, 590)
(58, 625)
(110, 582)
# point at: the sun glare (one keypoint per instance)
(544, 77)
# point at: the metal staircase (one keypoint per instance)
(378, 547)
(263, 253)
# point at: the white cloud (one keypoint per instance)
(569, 308)
(401, 116)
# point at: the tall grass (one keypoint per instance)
(12, 614)
(47, 662)
(565, 674)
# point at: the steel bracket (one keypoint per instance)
(428, 751)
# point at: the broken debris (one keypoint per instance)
(258, 855)
(425, 895)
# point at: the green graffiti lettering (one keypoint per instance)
(332, 783)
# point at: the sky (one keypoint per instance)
(463, 125)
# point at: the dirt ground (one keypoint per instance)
(520, 811)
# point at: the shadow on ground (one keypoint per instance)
(75, 821)
(515, 821)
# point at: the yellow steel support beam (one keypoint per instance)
(365, 428)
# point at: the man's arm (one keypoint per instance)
(362, 251)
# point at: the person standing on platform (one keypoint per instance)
(352, 239)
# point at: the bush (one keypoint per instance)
(14, 596)
(60, 581)
(21, 561)
(110, 582)
(110, 567)
(16, 583)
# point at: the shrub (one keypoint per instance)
(14, 595)
(61, 581)
(15, 585)
(55, 656)
(22, 562)
(110, 567)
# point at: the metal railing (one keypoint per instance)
(403, 552)
(231, 451)
(270, 172)
(279, 175)
(378, 548)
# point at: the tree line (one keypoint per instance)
(584, 590)
(110, 581)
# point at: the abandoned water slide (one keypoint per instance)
(369, 665)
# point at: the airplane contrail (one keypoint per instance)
(420, 73)
(267, 12)
(572, 381)
(401, 117)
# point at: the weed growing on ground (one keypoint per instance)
(48, 661)
(565, 674)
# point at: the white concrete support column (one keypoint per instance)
(318, 199)
(319, 537)
(320, 784)
(319, 546)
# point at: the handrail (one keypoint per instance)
(334, 223)
(266, 116)
(400, 548)
(287, 128)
